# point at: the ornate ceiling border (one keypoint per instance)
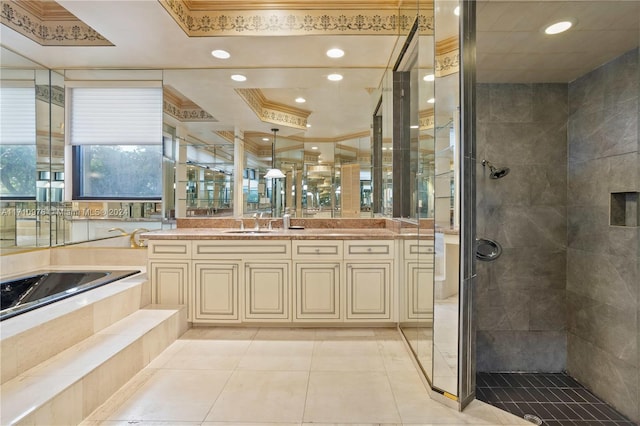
(182, 108)
(273, 112)
(55, 94)
(426, 119)
(50, 25)
(198, 22)
(447, 56)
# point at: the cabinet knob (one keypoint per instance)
(369, 249)
(317, 250)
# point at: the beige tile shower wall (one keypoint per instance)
(603, 261)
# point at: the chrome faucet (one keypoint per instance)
(241, 224)
(256, 224)
(132, 239)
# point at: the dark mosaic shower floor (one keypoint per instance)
(557, 399)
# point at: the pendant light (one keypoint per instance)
(274, 173)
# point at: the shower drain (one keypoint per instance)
(533, 419)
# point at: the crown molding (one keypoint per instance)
(426, 119)
(447, 56)
(273, 112)
(183, 109)
(288, 18)
(49, 24)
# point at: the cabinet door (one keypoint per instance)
(317, 291)
(216, 292)
(266, 291)
(169, 284)
(368, 291)
(419, 296)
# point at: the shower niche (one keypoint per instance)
(624, 209)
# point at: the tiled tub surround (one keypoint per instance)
(603, 261)
(555, 398)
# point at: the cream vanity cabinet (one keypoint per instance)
(418, 259)
(369, 271)
(169, 267)
(318, 280)
(241, 281)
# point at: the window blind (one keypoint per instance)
(116, 116)
(18, 115)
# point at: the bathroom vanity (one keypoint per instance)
(303, 276)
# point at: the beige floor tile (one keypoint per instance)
(350, 397)
(341, 333)
(173, 395)
(261, 396)
(347, 363)
(280, 347)
(272, 333)
(346, 348)
(137, 423)
(220, 333)
(275, 363)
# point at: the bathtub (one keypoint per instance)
(28, 292)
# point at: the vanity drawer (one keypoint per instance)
(227, 249)
(168, 249)
(317, 250)
(369, 249)
(418, 249)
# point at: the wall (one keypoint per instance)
(603, 279)
(521, 297)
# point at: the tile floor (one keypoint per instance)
(557, 399)
(287, 376)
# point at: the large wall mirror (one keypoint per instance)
(375, 135)
(430, 274)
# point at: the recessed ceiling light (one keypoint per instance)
(429, 77)
(432, 101)
(415, 126)
(335, 53)
(334, 77)
(300, 100)
(308, 125)
(384, 148)
(265, 139)
(456, 11)
(314, 147)
(238, 77)
(558, 27)
(220, 54)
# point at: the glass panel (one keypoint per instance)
(446, 202)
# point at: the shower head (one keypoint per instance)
(495, 173)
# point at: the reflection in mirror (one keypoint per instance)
(447, 200)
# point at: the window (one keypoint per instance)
(18, 140)
(118, 171)
(116, 133)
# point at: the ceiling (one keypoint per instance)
(510, 48)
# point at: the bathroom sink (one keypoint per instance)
(248, 231)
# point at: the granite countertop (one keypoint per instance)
(279, 234)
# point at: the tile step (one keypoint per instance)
(66, 388)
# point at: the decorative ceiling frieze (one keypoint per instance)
(447, 56)
(288, 18)
(49, 24)
(273, 112)
(426, 119)
(53, 94)
(183, 109)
